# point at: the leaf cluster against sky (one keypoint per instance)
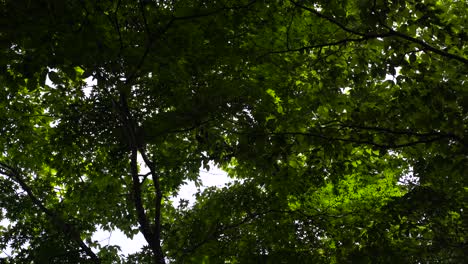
(320, 110)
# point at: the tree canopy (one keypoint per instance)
(343, 124)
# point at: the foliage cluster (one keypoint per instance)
(344, 123)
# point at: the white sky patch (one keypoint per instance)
(214, 177)
(90, 84)
(393, 77)
(48, 82)
(345, 90)
(409, 178)
(118, 238)
(54, 123)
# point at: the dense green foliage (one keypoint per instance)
(343, 122)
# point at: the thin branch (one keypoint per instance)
(214, 234)
(426, 46)
(402, 132)
(390, 33)
(364, 142)
(306, 48)
(288, 47)
(220, 229)
(138, 202)
(219, 10)
(424, 140)
(153, 36)
(145, 21)
(119, 32)
(332, 20)
(65, 227)
(145, 176)
(149, 45)
(157, 204)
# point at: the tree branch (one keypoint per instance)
(151, 233)
(157, 205)
(364, 142)
(142, 218)
(306, 48)
(426, 138)
(426, 46)
(390, 33)
(332, 20)
(406, 132)
(153, 36)
(56, 219)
